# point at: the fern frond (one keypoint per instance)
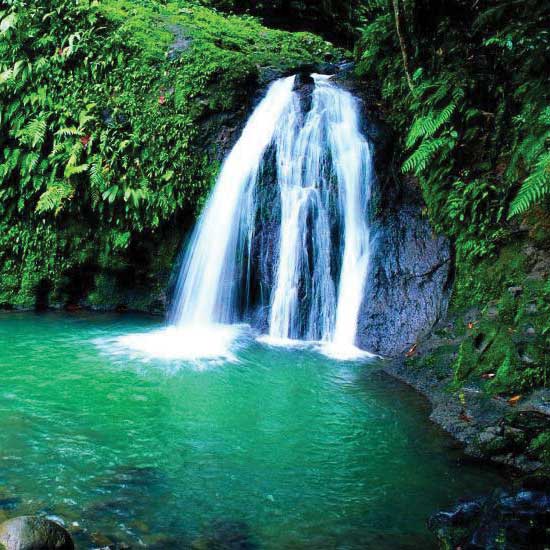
(426, 151)
(68, 131)
(53, 199)
(29, 163)
(427, 126)
(34, 132)
(535, 187)
(72, 170)
(96, 175)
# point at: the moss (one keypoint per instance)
(480, 281)
(504, 347)
(149, 86)
(540, 447)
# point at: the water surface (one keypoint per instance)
(273, 448)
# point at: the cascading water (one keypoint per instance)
(207, 286)
(321, 166)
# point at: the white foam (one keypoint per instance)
(343, 352)
(274, 341)
(338, 352)
(187, 343)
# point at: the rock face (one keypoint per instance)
(408, 287)
(34, 533)
(409, 282)
(506, 519)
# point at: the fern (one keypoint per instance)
(534, 188)
(427, 126)
(34, 132)
(97, 181)
(29, 163)
(68, 131)
(426, 151)
(53, 199)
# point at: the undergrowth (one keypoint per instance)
(465, 86)
(110, 113)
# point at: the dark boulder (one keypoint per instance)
(34, 533)
(507, 519)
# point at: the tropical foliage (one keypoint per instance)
(108, 114)
(466, 87)
(478, 108)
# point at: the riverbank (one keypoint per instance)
(502, 431)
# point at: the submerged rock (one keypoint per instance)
(226, 535)
(34, 533)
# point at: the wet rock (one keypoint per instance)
(489, 435)
(304, 86)
(519, 462)
(472, 315)
(515, 291)
(514, 435)
(538, 402)
(408, 285)
(508, 519)
(530, 421)
(453, 526)
(492, 312)
(266, 75)
(34, 533)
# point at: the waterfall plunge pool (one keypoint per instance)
(272, 448)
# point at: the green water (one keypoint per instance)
(281, 448)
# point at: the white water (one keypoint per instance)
(207, 283)
(323, 174)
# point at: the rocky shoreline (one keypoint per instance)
(504, 432)
(490, 428)
(507, 518)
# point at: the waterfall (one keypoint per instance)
(206, 288)
(310, 175)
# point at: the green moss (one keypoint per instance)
(506, 346)
(540, 447)
(116, 142)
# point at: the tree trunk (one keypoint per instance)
(402, 42)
